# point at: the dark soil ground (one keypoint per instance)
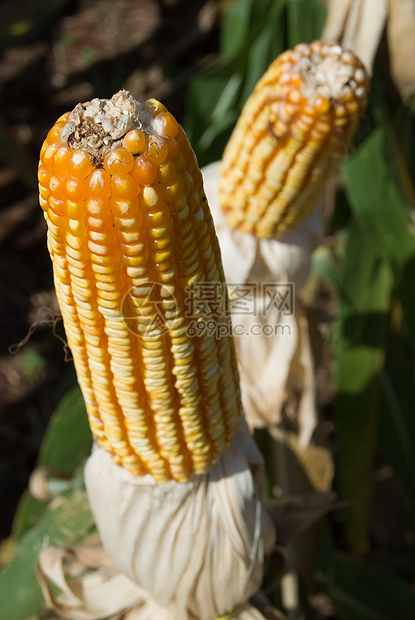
(48, 63)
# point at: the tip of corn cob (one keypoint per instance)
(130, 233)
(292, 134)
(99, 126)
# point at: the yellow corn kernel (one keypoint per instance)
(130, 233)
(293, 132)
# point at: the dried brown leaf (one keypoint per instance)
(292, 515)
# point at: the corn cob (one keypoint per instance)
(129, 231)
(292, 134)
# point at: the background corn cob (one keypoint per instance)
(291, 136)
(129, 231)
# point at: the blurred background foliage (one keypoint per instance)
(202, 59)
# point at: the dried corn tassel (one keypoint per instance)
(129, 233)
(291, 136)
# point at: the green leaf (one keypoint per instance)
(264, 49)
(208, 136)
(365, 299)
(69, 523)
(384, 213)
(397, 420)
(363, 591)
(66, 445)
(244, 22)
(364, 312)
(216, 129)
(323, 265)
(379, 206)
(305, 21)
(27, 515)
(227, 98)
(68, 437)
(235, 28)
(253, 35)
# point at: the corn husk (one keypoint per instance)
(401, 44)
(276, 370)
(197, 549)
(92, 588)
(359, 25)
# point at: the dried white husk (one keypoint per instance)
(401, 44)
(359, 25)
(196, 549)
(92, 588)
(272, 343)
